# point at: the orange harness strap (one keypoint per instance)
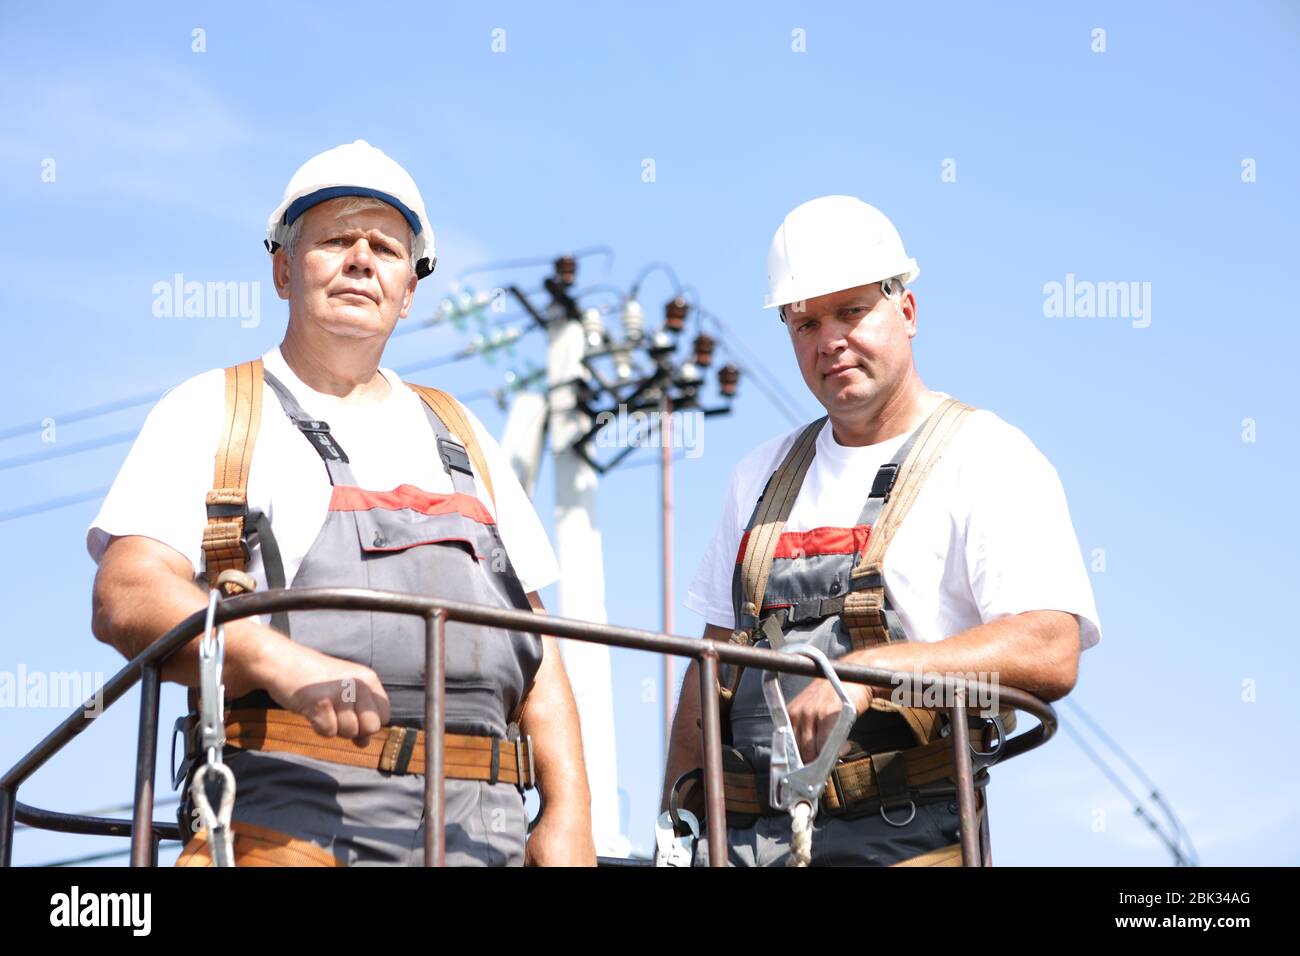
(453, 416)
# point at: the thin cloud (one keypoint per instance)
(147, 131)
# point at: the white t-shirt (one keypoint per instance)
(988, 536)
(160, 491)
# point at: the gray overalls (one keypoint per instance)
(408, 540)
(810, 575)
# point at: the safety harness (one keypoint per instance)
(254, 722)
(225, 537)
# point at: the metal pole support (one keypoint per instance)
(970, 844)
(711, 728)
(143, 844)
(435, 719)
(8, 807)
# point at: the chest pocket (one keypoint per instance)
(408, 517)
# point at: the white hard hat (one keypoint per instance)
(357, 169)
(833, 243)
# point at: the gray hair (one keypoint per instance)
(348, 205)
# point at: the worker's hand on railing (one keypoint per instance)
(340, 698)
(813, 714)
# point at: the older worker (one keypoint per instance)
(330, 471)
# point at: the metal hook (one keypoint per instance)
(220, 844)
(792, 781)
(212, 692)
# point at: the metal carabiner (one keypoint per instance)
(791, 781)
(212, 733)
(221, 845)
(672, 846)
(212, 692)
(675, 808)
(983, 758)
(1000, 727)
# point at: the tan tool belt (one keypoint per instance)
(393, 749)
(860, 783)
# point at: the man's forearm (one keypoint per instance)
(1036, 652)
(550, 717)
(133, 610)
(685, 747)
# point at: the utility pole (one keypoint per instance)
(582, 582)
(592, 377)
(666, 546)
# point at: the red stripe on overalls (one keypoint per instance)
(408, 496)
(806, 544)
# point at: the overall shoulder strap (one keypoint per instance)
(453, 417)
(768, 521)
(864, 605)
(227, 502)
(761, 538)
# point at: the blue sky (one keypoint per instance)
(1127, 165)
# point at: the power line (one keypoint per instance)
(1141, 774)
(75, 448)
(80, 415)
(106, 408)
(91, 857)
(650, 267)
(487, 347)
(483, 348)
(1172, 843)
(459, 312)
(503, 265)
(769, 384)
(51, 504)
(772, 397)
(736, 342)
(64, 501)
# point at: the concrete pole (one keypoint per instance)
(582, 585)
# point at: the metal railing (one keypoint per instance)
(146, 833)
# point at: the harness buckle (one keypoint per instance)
(866, 581)
(884, 480)
(454, 455)
(523, 781)
(841, 797)
(899, 823)
(396, 755)
(890, 770)
(185, 728)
